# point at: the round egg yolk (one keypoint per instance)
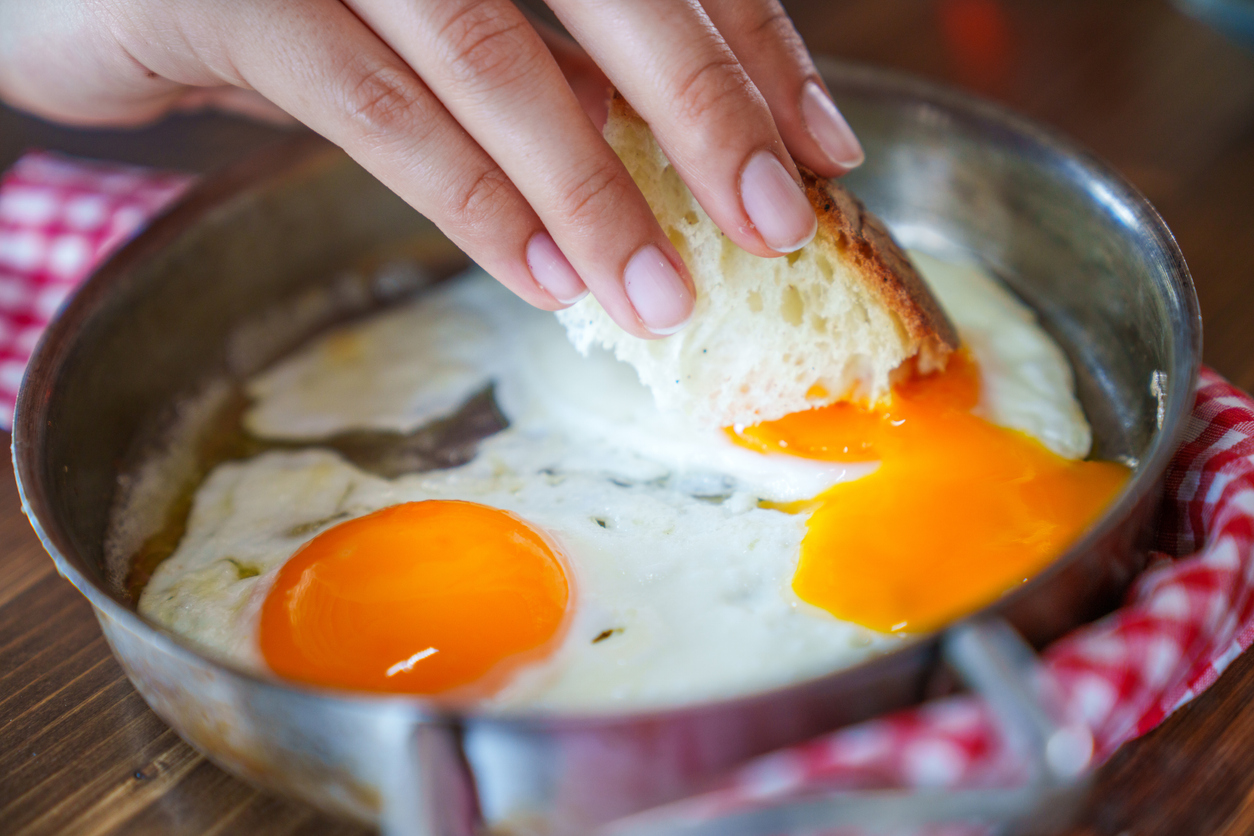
(421, 598)
(959, 510)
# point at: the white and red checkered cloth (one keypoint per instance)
(58, 218)
(1185, 619)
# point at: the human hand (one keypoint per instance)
(482, 119)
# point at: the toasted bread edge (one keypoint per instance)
(862, 239)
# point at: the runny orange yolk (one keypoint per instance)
(958, 512)
(424, 598)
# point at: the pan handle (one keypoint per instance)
(429, 788)
(999, 666)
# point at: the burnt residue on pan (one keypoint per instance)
(443, 443)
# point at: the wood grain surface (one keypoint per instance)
(1165, 99)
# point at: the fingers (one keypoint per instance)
(670, 62)
(585, 78)
(762, 36)
(496, 77)
(321, 64)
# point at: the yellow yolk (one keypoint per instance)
(423, 598)
(958, 512)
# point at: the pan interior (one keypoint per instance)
(216, 291)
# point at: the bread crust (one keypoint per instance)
(861, 239)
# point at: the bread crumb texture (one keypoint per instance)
(770, 336)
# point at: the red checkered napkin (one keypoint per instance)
(58, 218)
(1185, 619)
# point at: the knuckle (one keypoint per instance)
(385, 101)
(480, 202)
(773, 24)
(487, 46)
(595, 197)
(709, 88)
(773, 34)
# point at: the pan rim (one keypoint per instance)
(309, 152)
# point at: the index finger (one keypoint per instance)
(494, 74)
(670, 62)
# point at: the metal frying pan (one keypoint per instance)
(946, 171)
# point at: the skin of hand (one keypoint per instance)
(481, 118)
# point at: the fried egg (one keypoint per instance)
(600, 554)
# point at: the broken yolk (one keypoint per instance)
(958, 512)
(422, 598)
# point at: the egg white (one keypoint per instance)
(660, 523)
(395, 371)
(695, 593)
(1026, 380)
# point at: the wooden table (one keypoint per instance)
(1165, 99)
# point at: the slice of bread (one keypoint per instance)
(771, 336)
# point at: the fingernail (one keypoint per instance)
(552, 271)
(776, 204)
(660, 297)
(829, 128)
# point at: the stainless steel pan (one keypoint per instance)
(944, 170)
